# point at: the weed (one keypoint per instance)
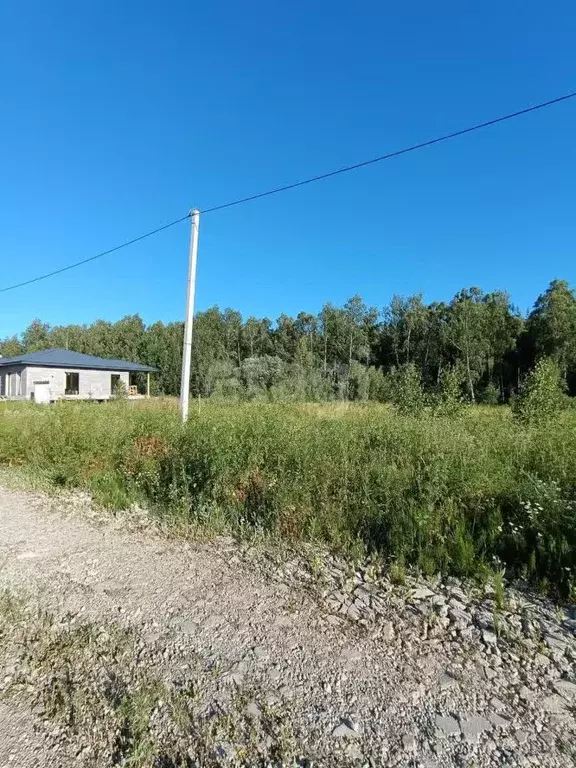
(12, 606)
(499, 589)
(114, 710)
(316, 565)
(447, 494)
(497, 623)
(398, 574)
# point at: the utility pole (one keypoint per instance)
(187, 350)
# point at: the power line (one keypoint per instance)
(396, 153)
(311, 180)
(93, 258)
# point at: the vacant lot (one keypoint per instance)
(119, 646)
(465, 495)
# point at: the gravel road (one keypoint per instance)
(363, 672)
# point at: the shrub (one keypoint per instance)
(119, 391)
(378, 385)
(358, 382)
(490, 394)
(447, 400)
(407, 392)
(543, 394)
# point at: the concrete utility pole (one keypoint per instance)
(187, 350)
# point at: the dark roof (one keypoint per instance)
(65, 358)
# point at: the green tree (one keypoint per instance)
(126, 338)
(466, 331)
(307, 326)
(232, 321)
(36, 336)
(334, 331)
(286, 336)
(11, 346)
(100, 339)
(503, 325)
(406, 325)
(552, 325)
(360, 327)
(163, 349)
(209, 346)
(69, 337)
(256, 337)
(342, 352)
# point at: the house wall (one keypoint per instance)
(92, 385)
(12, 381)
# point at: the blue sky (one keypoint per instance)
(119, 117)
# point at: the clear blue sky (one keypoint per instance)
(120, 116)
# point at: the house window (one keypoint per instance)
(3, 392)
(72, 384)
(114, 383)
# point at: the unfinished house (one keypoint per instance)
(60, 374)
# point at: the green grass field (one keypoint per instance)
(462, 495)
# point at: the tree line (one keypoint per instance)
(350, 352)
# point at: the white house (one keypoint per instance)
(58, 374)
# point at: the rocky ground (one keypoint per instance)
(122, 646)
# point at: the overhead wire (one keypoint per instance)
(303, 182)
(390, 155)
(93, 258)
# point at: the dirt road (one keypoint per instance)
(413, 684)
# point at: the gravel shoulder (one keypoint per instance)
(321, 662)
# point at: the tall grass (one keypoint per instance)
(451, 494)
